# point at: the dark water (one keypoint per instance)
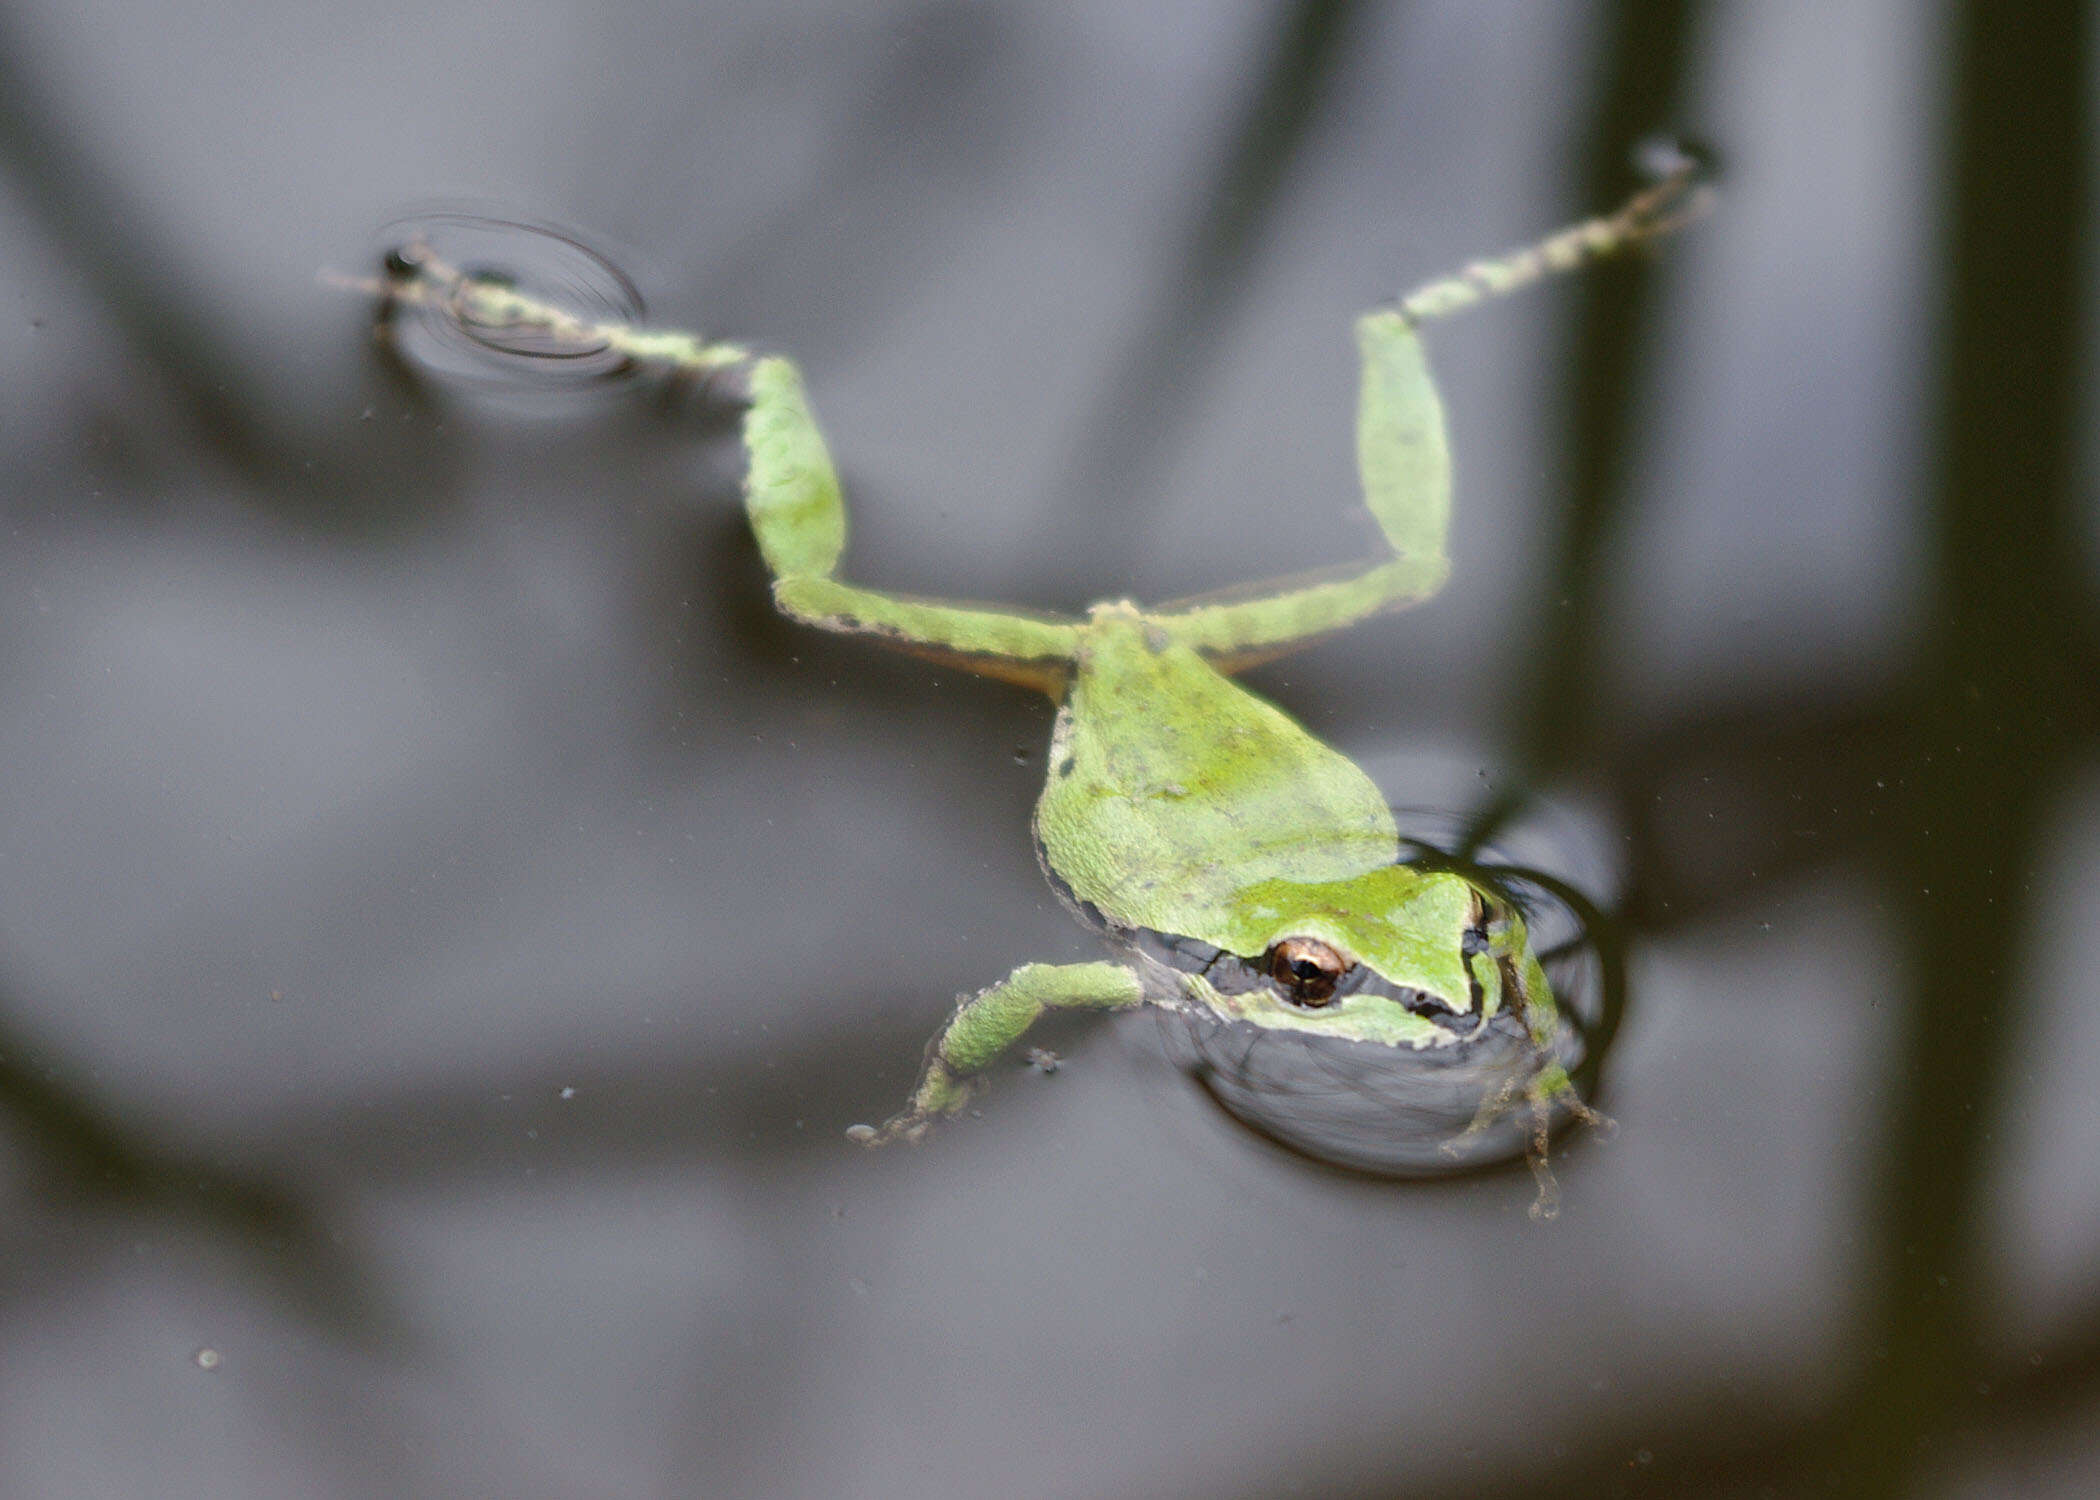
(446, 920)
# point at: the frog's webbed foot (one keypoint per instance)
(940, 1093)
(1543, 1100)
(1546, 1094)
(909, 1127)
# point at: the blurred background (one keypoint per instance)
(447, 921)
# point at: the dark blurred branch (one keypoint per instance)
(1989, 742)
(1557, 691)
(89, 1158)
(1723, 803)
(935, 121)
(1729, 1438)
(1146, 396)
(771, 1113)
(104, 235)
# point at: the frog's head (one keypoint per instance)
(1398, 955)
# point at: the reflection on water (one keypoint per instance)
(439, 957)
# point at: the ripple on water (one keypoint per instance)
(548, 264)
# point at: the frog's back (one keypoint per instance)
(1171, 788)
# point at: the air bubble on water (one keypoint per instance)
(1663, 155)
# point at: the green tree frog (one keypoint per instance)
(1237, 867)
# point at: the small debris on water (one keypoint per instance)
(206, 1359)
(1043, 1060)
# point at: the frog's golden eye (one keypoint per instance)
(1308, 969)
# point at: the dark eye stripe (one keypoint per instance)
(1230, 974)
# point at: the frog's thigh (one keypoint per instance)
(798, 513)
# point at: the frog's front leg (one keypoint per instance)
(986, 1024)
(1545, 1089)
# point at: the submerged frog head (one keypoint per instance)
(1397, 955)
(1398, 1023)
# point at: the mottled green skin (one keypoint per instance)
(1180, 803)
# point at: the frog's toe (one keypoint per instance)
(1546, 1203)
(909, 1127)
(1554, 1097)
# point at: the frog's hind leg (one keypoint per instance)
(1401, 451)
(791, 490)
